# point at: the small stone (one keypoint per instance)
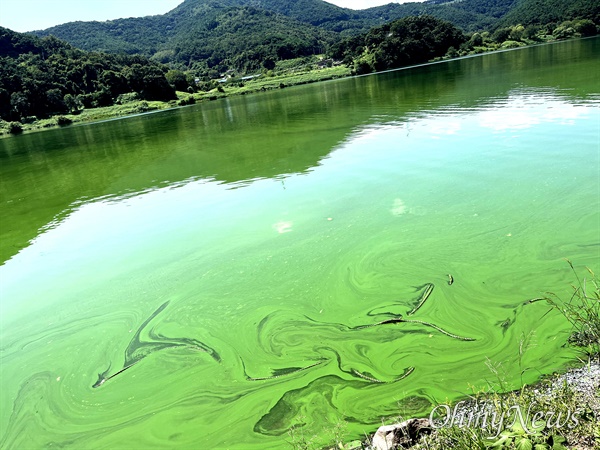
(404, 434)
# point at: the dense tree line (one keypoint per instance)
(40, 77)
(421, 38)
(468, 15)
(404, 42)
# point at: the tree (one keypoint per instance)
(177, 80)
(586, 27)
(516, 33)
(563, 31)
(54, 101)
(19, 104)
(268, 64)
(102, 97)
(531, 32)
(501, 35)
(476, 40)
(72, 103)
(115, 82)
(154, 85)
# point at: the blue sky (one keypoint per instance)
(29, 15)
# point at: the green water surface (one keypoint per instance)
(235, 257)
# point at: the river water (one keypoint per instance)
(259, 263)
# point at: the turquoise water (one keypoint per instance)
(247, 261)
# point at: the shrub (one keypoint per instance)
(63, 121)
(511, 44)
(563, 32)
(476, 40)
(29, 119)
(127, 98)
(15, 128)
(586, 27)
(142, 107)
(187, 101)
(501, 35)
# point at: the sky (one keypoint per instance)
(30, 15)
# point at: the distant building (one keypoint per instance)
(325, 63)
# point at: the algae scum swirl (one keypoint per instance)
(220, 275)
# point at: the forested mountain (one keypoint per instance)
(140, 35)
(202, 35)
(209, 36)
(288, 28)
(244, 38)
(314, 12)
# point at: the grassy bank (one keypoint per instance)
(560, 412)
(131, 105)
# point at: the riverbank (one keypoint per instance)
(565, 409)
(130, 105)
(134, 106)
(560, 412)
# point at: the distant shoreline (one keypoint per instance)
(263, 84)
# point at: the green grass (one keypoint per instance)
(89, 115)
(277, 81)
(555, 402)
(582, 310)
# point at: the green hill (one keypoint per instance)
(242, 33)
(243, 38)
(216, 35)
(204, 34)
